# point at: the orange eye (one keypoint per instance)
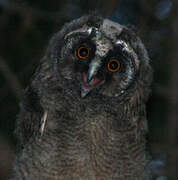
(114, 65)
(83, 52)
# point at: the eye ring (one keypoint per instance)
(114, 65)
(83, 52)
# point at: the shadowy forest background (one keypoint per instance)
(25, 29)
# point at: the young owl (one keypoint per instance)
(83, 114)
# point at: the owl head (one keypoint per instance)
(99, 57)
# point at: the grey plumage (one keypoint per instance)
(79, 119)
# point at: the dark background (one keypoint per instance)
(25, 29)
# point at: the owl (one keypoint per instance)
(83, 115)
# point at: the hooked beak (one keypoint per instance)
(89, 80)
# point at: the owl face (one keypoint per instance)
(97, 55)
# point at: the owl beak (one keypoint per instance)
(84, 91)
(87, 86)
(89, 80)
(93, 69)
(90, 76)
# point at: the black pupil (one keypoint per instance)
(113, 65)
(83, 52)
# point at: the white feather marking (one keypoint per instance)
(43, 122)
(90, 30)
(126, 47)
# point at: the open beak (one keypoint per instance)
(88, 84)
(89, 79)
